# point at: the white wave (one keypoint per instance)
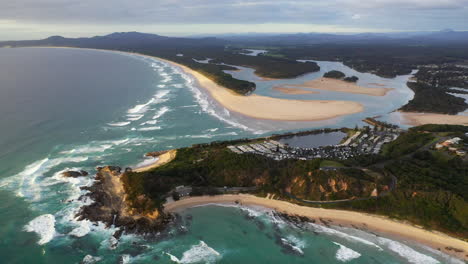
(88, 259)
(151, 122)
(25, 181)
(187, 106)
(147, 162)
(134, 117)
(211, 135)
(211, 130)
(44, 226)
(204, 103)
(200, 253)
(161, 85)
(80, 231)
(345, 254)
(161, 112)
(125, 259)
(167, 79)
(141, 107)
(296, 244)
(88, 149)
(323, 229)
(251, 211)
(161, 94)
(153, 128)
(119, 124)
(406, 252)
(447, 258)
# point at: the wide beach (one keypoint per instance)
(269, 108)
(417, 119)
(329, 84)
(435, 240)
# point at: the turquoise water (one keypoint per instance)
(77, 109)
(374, 106)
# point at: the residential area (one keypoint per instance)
(363, 141)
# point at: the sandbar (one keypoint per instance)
(417, 119)
(330, 84)
(376, 223)
(269, 108)
(287, 90)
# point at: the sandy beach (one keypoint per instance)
(330, 84)
(263, 107)
(375, 223)
(417, 119)
(162, 159)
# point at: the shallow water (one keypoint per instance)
(380, 106)
(77, 109)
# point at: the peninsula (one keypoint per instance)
(373, 171)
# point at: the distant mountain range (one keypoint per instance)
(120, 40)
(141, 40)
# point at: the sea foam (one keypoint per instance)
(330, 231)
(345, 254)
(200, 253)
(44, 226)
(406, 252)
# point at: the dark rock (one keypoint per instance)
(74, 174)
(351, 79)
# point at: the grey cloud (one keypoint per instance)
(398, 14)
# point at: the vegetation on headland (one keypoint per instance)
(432, 187)
(430, 99)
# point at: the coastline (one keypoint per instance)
(162, 159)
(417, 119)
(269, 108)
(263, 107)
(435, 240)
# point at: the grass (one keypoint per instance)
(330, 163)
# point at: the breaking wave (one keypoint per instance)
(44, 226)
(200, 253)
(345, 254)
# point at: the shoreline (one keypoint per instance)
(417, 119)
(270, 108)
(161, 160)
(381, 224)
(262, 107)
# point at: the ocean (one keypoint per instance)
(65, 109)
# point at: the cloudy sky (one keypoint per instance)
(30, 19)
